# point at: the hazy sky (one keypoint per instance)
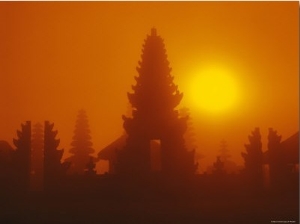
(59, 57)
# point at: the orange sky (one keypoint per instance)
(59, 57)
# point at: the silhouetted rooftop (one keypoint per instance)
(291, 147)
(109, 151)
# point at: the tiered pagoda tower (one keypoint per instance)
(21, 158)
(54, 170)
(154, 117)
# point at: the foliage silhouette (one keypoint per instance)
(229, 165)
(81, 145)
(219, 167)
(224, 152)
(189, 135)
(154, 117)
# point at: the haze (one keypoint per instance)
(59, 57)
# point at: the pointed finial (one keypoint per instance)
(153, 31)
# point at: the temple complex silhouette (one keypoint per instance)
(152, 144)
(150, 161)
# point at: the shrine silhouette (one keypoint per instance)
(154, 117)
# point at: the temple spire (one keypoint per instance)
(153, 32)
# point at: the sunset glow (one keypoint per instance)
(60, 57)
(149, 112)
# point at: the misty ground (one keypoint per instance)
(93, 208)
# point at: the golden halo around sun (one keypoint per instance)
(213, 90)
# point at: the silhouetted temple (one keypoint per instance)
(21, 158)
(109, 153)
(15, 163)
(154, 118)
(54, 170)
(37, 157)
(81, 145)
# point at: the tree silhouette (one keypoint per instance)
(189, 135)
(254, 160)
(224, 152)
(218, 166)
(37, 156)
(21, 157)
(154, 117)
(81, 145)
(277, 163)
(229, 165)
(54, 170)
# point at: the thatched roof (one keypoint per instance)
(5, 151)
(5, 146)
(109, 152)
(291, 147)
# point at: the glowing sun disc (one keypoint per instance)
(213, 90)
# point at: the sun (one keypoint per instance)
(213, 90)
